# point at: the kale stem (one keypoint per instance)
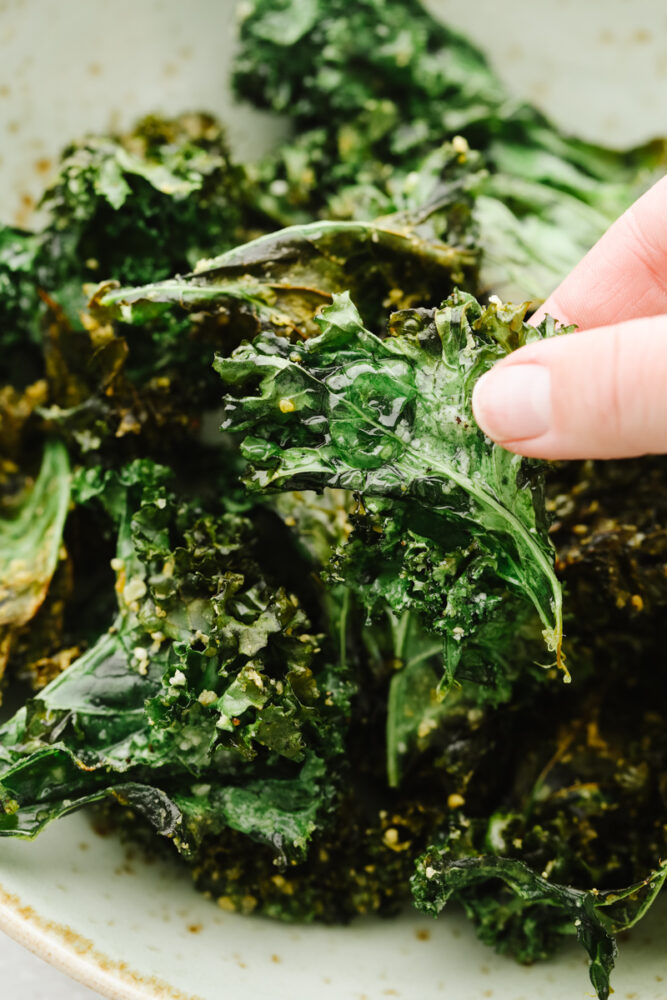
(342, 629)
(426, 654)
(401, 632)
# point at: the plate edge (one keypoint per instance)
(77, 957)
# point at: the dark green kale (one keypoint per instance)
(371, 91)
(544, 905)
(363, 861)
(258, 676)
(282, 279)
(391, 419)
(209, 702)
(145, 351)
(136, 207)
(576, 833)
(18, 293)
(116, 393)
(141, 206)
(610, 530)
(374, 90)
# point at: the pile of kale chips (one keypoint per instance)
(322, 651)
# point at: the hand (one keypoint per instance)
(601, 393)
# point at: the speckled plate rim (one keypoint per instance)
(138, 83)
(76, 956)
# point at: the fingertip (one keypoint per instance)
(557, 310)
(599, 394)
(512, 402)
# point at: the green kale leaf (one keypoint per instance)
(136, 207)
(141, 206)
(595, 916)
(205, 701)
(19, 299)
(373, 92)
(391, 419)
(282, 279)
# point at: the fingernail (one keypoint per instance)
(513, 402)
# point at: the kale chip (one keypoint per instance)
(309, 652)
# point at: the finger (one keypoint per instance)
(624, 275)
(601, 393)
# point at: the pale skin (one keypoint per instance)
(601, 392)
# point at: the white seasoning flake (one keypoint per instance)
(134, 589)
(158, 639)
(178, 680)
(458, 633)
(203, 264)
(429, 872)
(254, 676)
(141, 656)
(207, 698)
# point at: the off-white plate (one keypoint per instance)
(135, 931)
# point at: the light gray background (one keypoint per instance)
(26, 977)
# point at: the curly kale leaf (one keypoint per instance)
(282, 279)
(569, 806)
(141, 206)
(408, 558)
(206, 701)
(115, 392)
(19, 299)
(595, 916)
(392, 419)
(396, 52)
(136, 207)
(372, 93)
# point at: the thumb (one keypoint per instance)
(601, 393)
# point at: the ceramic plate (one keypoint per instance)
(138, 931)
(133, 930)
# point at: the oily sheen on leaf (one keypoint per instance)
(391, 418)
